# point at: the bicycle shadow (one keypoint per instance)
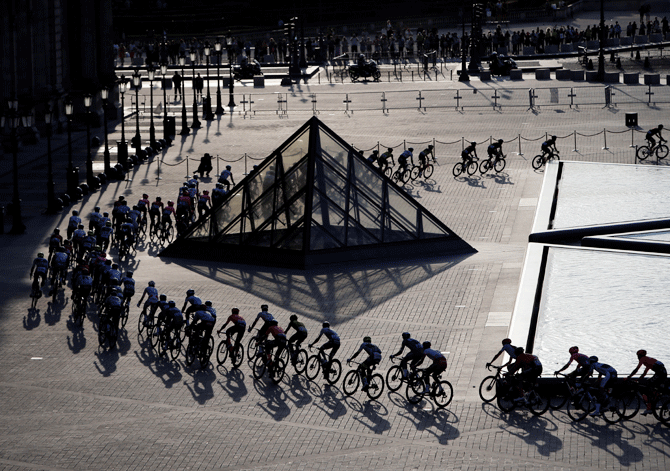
(234, 385)
(78, 341)
(372, 413)
(533, 430)
(32, 320)
(202, 390)
(299, 387)
(106, 363)
(604, 436)
(53, 312)
(275, 396)
(500, 178)
(333, 406)
(435, 421)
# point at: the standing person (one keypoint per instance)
(198, 84)
(177, 81)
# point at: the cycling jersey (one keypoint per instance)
(434, 355)
(157, 206)
(74, 222)
(606, 371)
(203, 200)
(84, 281)
(276, 331)
(649, 363)
(526, 362)
(184, 202)
(143, 204)
(105, 232)
(78, 235)
(225, 175)
(330, 334)
(236, 319)
(653, 132)
(372, 350)
(298, 326)
(150, 292)
(466, 154)
(203, 316)
(168, 211)
(113, 302)
(193, 300)
(55, 241)
(41, 265)
(94, 218)
(581, 359)
(59, 260)
(265, 316)
(211, 310)
(494, 149)
(128, 286)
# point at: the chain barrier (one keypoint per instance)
(589, 135)
(530, 140)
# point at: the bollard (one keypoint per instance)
(574, 133)
(245, 164)
(412, 76)
(632, 137)
(605, 136)
(187, 174)
(520, 153)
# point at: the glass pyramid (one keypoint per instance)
(310, 202)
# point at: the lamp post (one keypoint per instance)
(104, 93)
(17, 223)
(601, 37)
(207, 105)
(51, 191)
(137, 80)
(164, 69)
(219, 53)
(122, 155)
(231, 85)
(151, 72)
(71, 183)
(185, 131)
(196, 121)
(464, 77)
(88, 100)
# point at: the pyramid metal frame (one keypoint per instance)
(316, 200)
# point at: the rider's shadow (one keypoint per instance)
(330, 403)
(437, 422)
(32, 320)
(475, 182)
(53, 312)
(430, 186)
(78, 341)
(606, 437)
(372, 417)
(300, 390)
(535, 431)
(202, 390)
(122, 341)
(501, 178)
(234, 384)
(276, 400)
(106, 364)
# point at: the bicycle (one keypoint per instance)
(487, 388)
(298, 356)
(468, 166)
(508, 399)
(200, 348)
(584, 401)
(441, 391)
(497, 163)
(395, 376)
(57, 280)
(332, 369)
(421, 170)
(252, 345)
(167, 232)
(542, 159)
(145, 321)
(354, 378)
(226, 348)
(107, 331)
(402, 175)
(632, 395)
(660, 150)
(166, 341)
(35, 293)
(275, 368)
(79, 305)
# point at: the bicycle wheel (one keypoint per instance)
(428, 171)
(458, 169)
(662, 151)
(376, 386)
(140, 323)
(580, 406)
(222, 352)
(487, 389)
(484, 166)
(206, 353)
(415, 390)
(334, 371)
(662, 411)
(190, 353)
(277, 371)
(472, 167)
(614, 411)
(300, 362)
(632, 403)
(405, 176)
(170, 234)
(238, 356)
(175, 345)
(499, 165)
(504, 396)
(442, 393)
(414, 174)
(557, 401)
(537, 403)
(259, 368)
(351, 381)
(101, 334)
(642, 152)
(395, 177)
(394, 378)
(252, 348)
(388, 172)
(538, 162)
(313, 367)
(124, 316)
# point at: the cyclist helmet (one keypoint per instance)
(40, 255)
(411, 149)
(80, 226)
(326, 325)
(190, 292)
(115, 266)
(208, 303)
(235, 310)
(518, 350)
(108, 224)
(206, 192)
(405, 335)
(553, 138)
(158, 198)
(105, 215)
(593, 359)
(500, 141)
(75, 213)
(642, 353)
(264, 307)
(274, 322)
(228, 167)
(152, 283)
(129, 274)
(96, 209)
(390, 149)
(506, 341)
(144, 195)
(170, 203)
(56, 231)
(171, 303)
(367, 339)
(163, 297)
(426, 344)
(97, 248)
(660, 126)
(430, 146)
(573, 350)
(121, 198)
(293, 317)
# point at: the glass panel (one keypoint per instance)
(402, 210)
(259, 239)
(332, 151)
(232, 235)
(368, 180)
(332, 184)
(321, 240)
(262, 180)
(296, 210)
(228, 211)
(330, 217)
(430, 229)
(365, 212)
(262, 210)
(358, 236)
(295, 150)
(201, 232)
(294, 242)
(395, 232)
(296, 179)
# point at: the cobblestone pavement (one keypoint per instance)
(68, 405)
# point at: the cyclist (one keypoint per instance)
(333, 344)
(104, 234)
(82, 285)
(184, 205)
(143, 205)
(55, 240)
(152, 296)
(59, 263)
(125, 234)
(508, 348)
(218, 194)
(194, 301)
(605, 373)
(438, 366)
(402, 158)
(654, 132)
(167, 212)
(113, 307)
(171, 317)
(385, 157)
(155, 212)
(237, 328)
(278, 340)
(87, 244)
(495, 149)
(135, 217)
(583, 369)
(204, 203)
(226, 176)
(39, 269)
(415, 355)
(660, 374)
(128, 287)
(423, 156)
(119, 213)
(470, 152)
(549, 148)
(78, 236)
(297, 338)
(374, 157)
(373, 359)
(104, 219)
(267, 319)
(73, 223)
(530, 366)
(94, 219)
(202, 325)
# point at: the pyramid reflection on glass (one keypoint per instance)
(316, 200)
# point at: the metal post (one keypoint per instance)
(575, 136)
(196, 121)
(632, 137)
(51, 192)
(185, 131)
(605, 136)
(187, 173)
(520, 153)
(108, 166)
(152, 129)
(166, 136)
(89, 160)
(137, 80)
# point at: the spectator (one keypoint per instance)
(177, 82)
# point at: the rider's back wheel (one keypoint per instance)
(190, 353)
(662, 411)
(580, 406)
(350, 384)
(484, 166)
(472, 167)
(614, 411)
(170, 234)
(414, 174)
(458, 169)
(538, 403)
(175, 345)
(300, 362)
(334, 371)
(377, 75)
(259, 367)
(313, 367)
(376, 386)
(406, 175)
(662, 151)
(278, 369)
(642, 152)
(396, 176)
(442, 393)
(388, 171)
(252, 348)
(428, 171)
(538, 162)
(238, 356)
(487, 389)
(222, 352)
(394, 378)
(415, 390)
(499, 165)
(124, 315)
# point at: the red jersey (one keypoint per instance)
(236, 319)
(276, 331)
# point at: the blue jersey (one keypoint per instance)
(74, 222)
(194, 301)
(203, 316)
(434, 355)
(211, 310)
(372, 350)
(113, 301)
(59, 260)
(413, 345)
(330, 334)
(41, 265)
(266, 316)
(105, 232)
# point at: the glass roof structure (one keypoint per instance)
(316, 200)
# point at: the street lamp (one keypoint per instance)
(464, 77)
(122, 154)
(231, 85)
(51, 192)
(164, 69)
(196, 121)
(104, 93)
(17, 223)
(71, 182)
(137, 80)
(88, 101)
(207, 105)
(185, 131)
(219, 52)
(151, 72)
(601, 37)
